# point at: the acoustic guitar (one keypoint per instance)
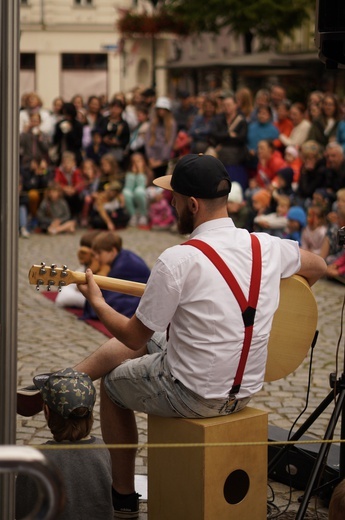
(293, 328)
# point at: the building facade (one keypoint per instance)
(207, 61)
(72, 47)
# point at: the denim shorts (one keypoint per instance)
(146, 385)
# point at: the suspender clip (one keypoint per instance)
(248, 316)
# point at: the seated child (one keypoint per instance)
(96, 149)
(275, 223)
(136, 180)
(322, 197)
(161, 214)
(293, 160)
(109, 210)
(282, 182)
(124, 264)
(261, 202)
(70, 296)
(70, 179)
(68, 401)
(90, 176)
(238, 209)
(297, 220)
(53, 215)
(315, 231)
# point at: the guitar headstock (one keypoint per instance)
(52, 276)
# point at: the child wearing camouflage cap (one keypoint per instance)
(68, 400)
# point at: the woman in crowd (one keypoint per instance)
(93, 112)
(229, 136)
(136, 180)
(160, 137)
(33, 104)
(262, 128)
(115, 131)
(201, 126)
(283, 124)
(312, 173)
(33, 143)
(301, 127)
(324, 128)
(244, 99)
(68, 134)
(270, 162)
(78, 102)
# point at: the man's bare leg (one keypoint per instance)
(119, 427)
(107, 357)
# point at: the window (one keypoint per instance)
(27, 61)
(212, 45)
(84, 62)
(83, 3)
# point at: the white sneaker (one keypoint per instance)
(133, 221)
(24, 232)
(142, 221)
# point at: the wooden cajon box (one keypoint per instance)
(208, 483)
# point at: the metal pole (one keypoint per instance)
(9, 187)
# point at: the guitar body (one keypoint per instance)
(293, 328)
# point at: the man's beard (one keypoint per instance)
(185, 222)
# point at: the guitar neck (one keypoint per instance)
(113, 284)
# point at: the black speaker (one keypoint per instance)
(295, 466)
(330, 32)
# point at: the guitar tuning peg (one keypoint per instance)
(50, 284)
(39, 282)
(43, 268)
(53, 270)
(61, 285)
(64, 270)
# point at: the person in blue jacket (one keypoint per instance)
(297, 220)
(262, 129)
(123, 264)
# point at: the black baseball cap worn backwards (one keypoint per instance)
(196, 176)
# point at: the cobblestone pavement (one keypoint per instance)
(50, 338)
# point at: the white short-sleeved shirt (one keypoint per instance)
(206, 330)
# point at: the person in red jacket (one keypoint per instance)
(71, 180)
(270, 161)
(283, 123)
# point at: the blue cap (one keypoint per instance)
(297, 213)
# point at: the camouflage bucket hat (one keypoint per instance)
(66, 390)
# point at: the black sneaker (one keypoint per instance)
(126, 506)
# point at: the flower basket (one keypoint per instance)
(150, 24)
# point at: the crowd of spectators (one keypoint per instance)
(90, 162)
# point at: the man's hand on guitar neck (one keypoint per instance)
(91, 291)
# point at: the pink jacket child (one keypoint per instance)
(160, 212)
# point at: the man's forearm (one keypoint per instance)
(115, 322)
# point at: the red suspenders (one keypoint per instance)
(248, 307)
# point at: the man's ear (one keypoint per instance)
(193, 205)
